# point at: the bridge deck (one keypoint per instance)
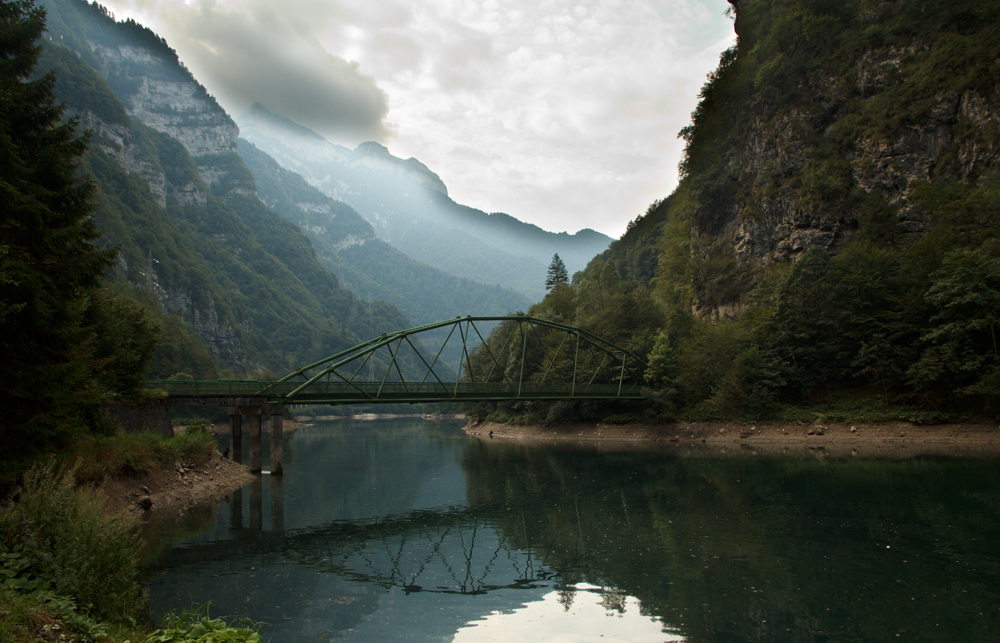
(390, 392)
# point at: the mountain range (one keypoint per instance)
(247, 264)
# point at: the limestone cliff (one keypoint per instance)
(157, 91)
(824, 120)
(775, 224)
(197, 308)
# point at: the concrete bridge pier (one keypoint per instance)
(236, 434)
(253, 412)
(277, 430)
(278, 504)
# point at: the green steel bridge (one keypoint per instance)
(498, 359)
(525, 358)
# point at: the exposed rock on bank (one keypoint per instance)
(893, 439)
(179, 487)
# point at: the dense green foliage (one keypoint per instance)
(67, 343)
(619, 311)
(557, 274)
(906, 330)
(69, 565)
(62, 539)
(199, 627)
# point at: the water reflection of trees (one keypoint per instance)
(762, 549)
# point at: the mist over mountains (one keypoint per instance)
(368, 266)
(408, 206)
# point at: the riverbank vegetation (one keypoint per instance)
(70, 570)
(882, 330)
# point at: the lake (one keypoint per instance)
(409, 530)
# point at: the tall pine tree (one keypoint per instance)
(49, 264)
(557, 273)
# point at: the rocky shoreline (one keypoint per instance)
(177, 488)
(893, 439)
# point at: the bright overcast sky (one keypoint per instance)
(561, 113)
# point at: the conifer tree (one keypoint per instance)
(557, 273)
(48, 262)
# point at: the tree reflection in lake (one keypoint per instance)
(394, 531)
(749, 548)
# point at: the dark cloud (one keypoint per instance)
(257, 53)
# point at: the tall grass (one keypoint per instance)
(61, 539)
(95, 457)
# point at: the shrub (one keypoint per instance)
(62, 538)
(198, 627)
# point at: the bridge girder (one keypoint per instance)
(491, 367)
(524, 358)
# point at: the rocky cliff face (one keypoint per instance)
(119, 142)
(202, 318)
(178, 107)
(116, 141)
(174, 103)
(826, 121)
(775, 225)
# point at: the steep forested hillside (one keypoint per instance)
(232, 283)
(833, 242)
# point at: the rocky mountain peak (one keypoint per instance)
(373, 149)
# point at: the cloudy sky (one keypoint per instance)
(563, 113)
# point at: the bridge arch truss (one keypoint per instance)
(498, 359)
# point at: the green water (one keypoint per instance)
(408, 530)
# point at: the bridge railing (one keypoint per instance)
(338, 392)
(206, 388)
(408, 391)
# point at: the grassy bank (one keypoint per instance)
(69, 565)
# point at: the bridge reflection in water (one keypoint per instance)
(383, 531)
(448, 551)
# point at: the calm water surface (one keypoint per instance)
(408, 530)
